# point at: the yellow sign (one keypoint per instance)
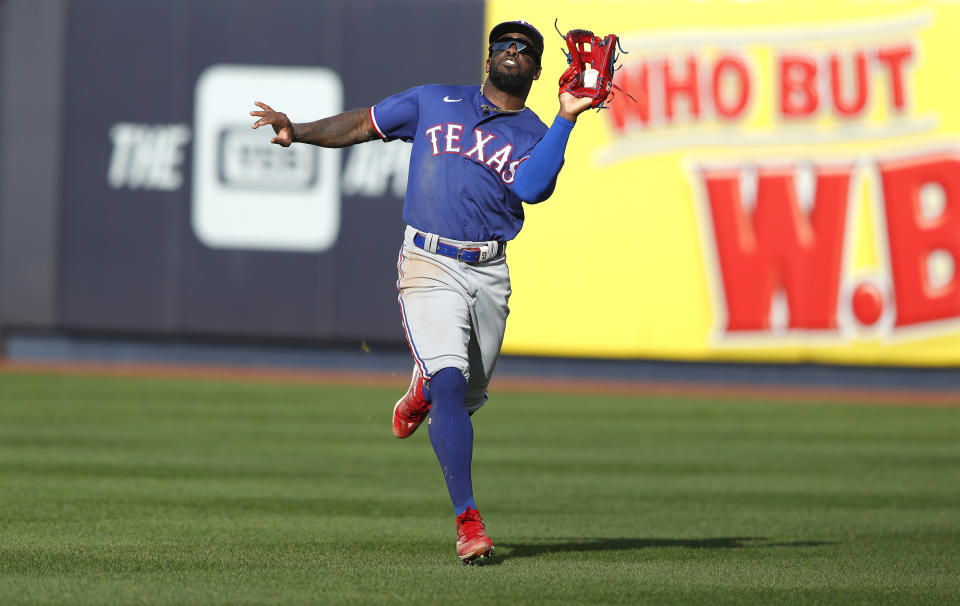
(785, 186)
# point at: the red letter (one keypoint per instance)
(913, 236)
(798, 86)
(779, 247)
(845, 108)
(894, 58)
(737, 70)
(634, 79)
(673, 87)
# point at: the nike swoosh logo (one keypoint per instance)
(449, 100)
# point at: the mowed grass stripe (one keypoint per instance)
(137, 491)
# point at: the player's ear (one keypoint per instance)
(487, 68)
(536, 76)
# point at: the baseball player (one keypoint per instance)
(478, 153)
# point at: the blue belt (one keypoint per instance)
(467, 255)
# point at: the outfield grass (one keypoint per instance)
(130, 491)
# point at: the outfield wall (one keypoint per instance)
(785, 188)
(31, 134)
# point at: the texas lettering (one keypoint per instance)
(449, 139)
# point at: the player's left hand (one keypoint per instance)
(571, 106)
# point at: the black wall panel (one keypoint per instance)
(130, 256)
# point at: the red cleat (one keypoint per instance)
(472, 540)
(411, 409)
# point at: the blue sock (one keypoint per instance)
(451, 434)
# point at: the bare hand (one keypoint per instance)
(571, 107)
(278, 120)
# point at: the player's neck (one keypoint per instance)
(503, 99)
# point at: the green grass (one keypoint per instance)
(128, 491)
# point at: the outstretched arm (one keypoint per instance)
(344, 129)
(537, 176)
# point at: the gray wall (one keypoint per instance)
(31, 135)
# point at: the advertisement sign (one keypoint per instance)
(783, 186)
(250, 195)
(178, 219)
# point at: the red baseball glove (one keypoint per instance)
(600, 56)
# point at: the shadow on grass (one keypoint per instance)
(539, 547)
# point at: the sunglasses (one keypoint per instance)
(504, 44)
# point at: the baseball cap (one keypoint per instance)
(520, 27)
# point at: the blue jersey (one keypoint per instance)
(464, 160)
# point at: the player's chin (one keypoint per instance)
(513, 81)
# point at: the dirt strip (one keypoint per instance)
(533, 384)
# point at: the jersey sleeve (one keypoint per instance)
(537, 174)
(396, 117)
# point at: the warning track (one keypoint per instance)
(786, 392)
